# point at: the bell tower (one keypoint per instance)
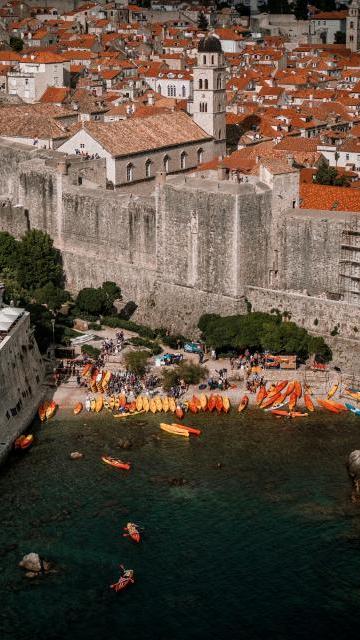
(353, 26)
(209, 110)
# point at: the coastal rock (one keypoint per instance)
(76, 455)
(354, 472)
(31, 562)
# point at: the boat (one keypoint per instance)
(99, 403)
(261, 395)
(159, 405)
(281, 385)
(42, 411)
(337, 405)
(297, 388)
(113, 462)
(125, 579)
(219, 404)
(165, 404)
(333, 390)
(86, 372)
(146, 404)
(211, 403)
(243, 404)
(279, 412)
(290, 388)
(308, 402)
(78, 408)
(139, 403)
(279, 404)
(106, 379)
(51, 409)
(88, 404)
(268, 401)
(179, 412)
(24, 442)
(92, 404)
(193, 407)
(297, 414)
(352, 408)
(172, 405)
(175, 430)
(203, 401)
(326, 405)
(132, 532)
(122, 400)
(352, 394)
(293, 400)
(126, 414)
(226, 404)
(191, 430)
(152, 405)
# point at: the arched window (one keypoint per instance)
(159, 88)
(183, 91)
(130, 172)
(148, 164)
(206, 83)
(200, 156)
(166, 164)
(183, 159)
(204, 59)
(218, 82)
(200, 84)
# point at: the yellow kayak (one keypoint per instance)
(128, 413)
(332, 391)
(50, 411)
(99, 404)
(165, 404)
(159, 405)
(172, 405)
(93, 404)
(146, 404)
(106, 378)
(177, 431)
(226, 404)
(203, 401)
(152, 405)
(139, 403)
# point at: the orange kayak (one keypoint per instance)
(42, 411)
(78, 408)
(281, 385)
(192, 430)
(179, 411)
(196, 401)
(132, 532)
(119, 464)
(297, 388)
(193, 407)
(290, 388)
(327, 405)
(86, 370)
(298, 414)
(50, 410)
(24, 442)
(308, 402)
(243, 404)
(212, 403)
(270, 400)
(279, 412)
(337, 405)
(122, 400)
(219, 404)
(293, 401)
(261, 395)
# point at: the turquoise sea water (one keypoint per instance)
(268, 546)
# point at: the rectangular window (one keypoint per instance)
(82, 146)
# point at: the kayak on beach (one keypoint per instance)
(24, 442)
(113, 462)
(174, 429)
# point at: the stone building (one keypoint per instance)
(136, 149)
(353, 26)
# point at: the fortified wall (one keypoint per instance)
(195, 245)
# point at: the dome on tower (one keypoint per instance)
(210, 44)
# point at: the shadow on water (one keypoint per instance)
(249, 530)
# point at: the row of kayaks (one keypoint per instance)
(98, 381)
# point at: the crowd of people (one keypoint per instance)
(112, 347)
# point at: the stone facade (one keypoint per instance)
(195, 245)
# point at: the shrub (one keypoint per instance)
(136, 361)
(93, 352)
(91, 301)
(94, 326)
(51, 295)
(190, 373)
(173, 340)
(154, 347)
(170, 378)
(121, 323)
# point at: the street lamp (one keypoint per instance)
(53, 333)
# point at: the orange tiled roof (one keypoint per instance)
(317, 196)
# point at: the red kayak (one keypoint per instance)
(132, 532)
(219, 404)
(261, 395)
(212, 403)
(113, 462)
(124, 580)
(243, 404)
(179, 411)
(195, 432)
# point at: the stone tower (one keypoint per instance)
(353, 26)
(209, 92)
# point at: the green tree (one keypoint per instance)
(38, 262)
(92, 301)
(112, 291)
(301, 9)
(340, 37)
(329, 176)
(8, 251)
(187, 371)
(202, 22)
(278, 6)
(52, 296)
(136, 361)
(16, 43)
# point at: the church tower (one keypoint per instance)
(209, 102)
(353, 26)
